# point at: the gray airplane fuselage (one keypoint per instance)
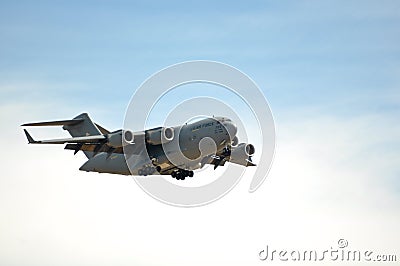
(195, 142)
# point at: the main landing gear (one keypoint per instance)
(181, 174)
(147, 170)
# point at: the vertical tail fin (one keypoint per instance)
(85, 128)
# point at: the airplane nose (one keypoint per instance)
(231, 128)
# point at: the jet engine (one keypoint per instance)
(160, 135)
(242, 153)
(120, 138)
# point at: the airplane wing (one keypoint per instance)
(132, 149)
(82, 140)
(94, 144)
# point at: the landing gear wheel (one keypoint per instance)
(182, 174)
(149, 170)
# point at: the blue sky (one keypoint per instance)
(341, 55)
(329, 69)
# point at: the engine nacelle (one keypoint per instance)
(120, 138)
(241, 153)
(160, 135)
(235, 141)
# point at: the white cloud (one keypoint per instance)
(328, 182)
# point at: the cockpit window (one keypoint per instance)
(223, 119)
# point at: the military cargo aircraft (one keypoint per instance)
(175, 151)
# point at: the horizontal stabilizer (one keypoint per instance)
(70, 122)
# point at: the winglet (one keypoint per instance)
(29, 137)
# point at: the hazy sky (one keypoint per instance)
(329, 69)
